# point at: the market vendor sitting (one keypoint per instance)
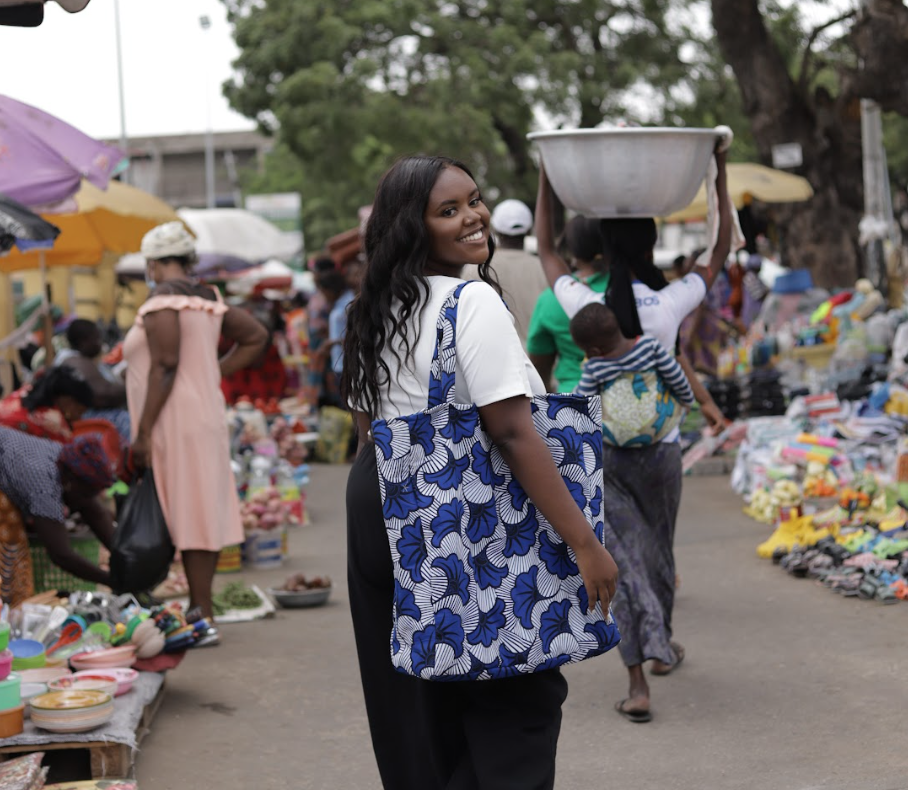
(48, 407)
(43, 478)
(85, 347)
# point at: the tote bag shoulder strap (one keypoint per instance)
(442, 372)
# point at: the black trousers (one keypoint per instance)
(487, 735)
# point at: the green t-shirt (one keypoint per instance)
(550, 333)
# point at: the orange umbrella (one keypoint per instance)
(111, 221)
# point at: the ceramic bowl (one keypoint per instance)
(44, 674)
(290, 599)
(124, 656)
(27, 654)
(650, 172)
(88, 681)
(125, 678)
(6, 663)
(71, 711)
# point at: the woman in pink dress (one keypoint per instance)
(177, 409)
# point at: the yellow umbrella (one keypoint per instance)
(110, 221)
(749, 181)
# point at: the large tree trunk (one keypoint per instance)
(880, 38)
(821, 234)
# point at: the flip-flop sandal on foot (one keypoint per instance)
(679, 657)
(636, 716)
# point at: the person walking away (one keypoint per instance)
(179, 421)
(642, 484)
(549, 344)
(429, 226)
(516, 270)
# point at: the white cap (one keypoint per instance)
(170, 240)
(512, 218)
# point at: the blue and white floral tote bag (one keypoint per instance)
(484, 586)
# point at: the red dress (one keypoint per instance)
(43, 423)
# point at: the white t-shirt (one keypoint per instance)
(491, 363)
(661, 312)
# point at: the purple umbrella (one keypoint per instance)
(43, 159)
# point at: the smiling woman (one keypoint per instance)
(429, 226)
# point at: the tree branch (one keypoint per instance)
(803, 76)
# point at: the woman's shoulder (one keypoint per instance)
(178, 297)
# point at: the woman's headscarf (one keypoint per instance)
(85, 459)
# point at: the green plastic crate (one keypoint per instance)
(48, 576)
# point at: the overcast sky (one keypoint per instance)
(68, 66)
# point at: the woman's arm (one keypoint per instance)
(249, 337)
(106, 393)
(509, 424)
(708, 407)
(162, 328)
(723, 242)
(52, 535)
(552, 263)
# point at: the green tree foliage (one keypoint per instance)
(351, 84)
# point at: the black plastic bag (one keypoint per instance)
(142, 548)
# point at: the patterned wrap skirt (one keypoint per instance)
(642, 492)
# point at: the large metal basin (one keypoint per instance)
(626, 172)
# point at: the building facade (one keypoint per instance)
(172, 167)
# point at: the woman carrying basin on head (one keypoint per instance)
(642, 484)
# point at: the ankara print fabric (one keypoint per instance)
(484, 585)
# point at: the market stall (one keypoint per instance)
(818, 390)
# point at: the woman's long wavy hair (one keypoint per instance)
(628, 245)
(397, 247)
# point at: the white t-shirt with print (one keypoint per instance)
(661, 312)
(491, 363)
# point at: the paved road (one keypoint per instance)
(786, 686)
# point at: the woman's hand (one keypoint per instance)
(713, 416)
(598, 571)
(140, 452)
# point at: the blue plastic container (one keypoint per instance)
(794, 282)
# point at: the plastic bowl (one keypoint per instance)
(290, 599)
(44, 674)
(6, 663)
(125, 676)
(4, 635)
(86, 681)
(27, 654)
(611, 173)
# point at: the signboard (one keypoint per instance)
(787, 155)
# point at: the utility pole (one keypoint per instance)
(127, 176)
(210, 199)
